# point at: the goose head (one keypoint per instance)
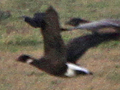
(25, 59)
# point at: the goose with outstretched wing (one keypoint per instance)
(94, 26)
(72, 51)
(54, 61)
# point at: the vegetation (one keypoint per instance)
(17, 37)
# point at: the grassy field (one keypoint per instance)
(16, 37)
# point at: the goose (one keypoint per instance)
(96, 25)
(77, 46)
(54, 60)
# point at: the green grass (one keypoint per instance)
(14, 32)
(17, 37)
(114, 76)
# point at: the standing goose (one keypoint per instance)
(96, 25)
(54, 61)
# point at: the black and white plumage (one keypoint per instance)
(96, 25)
(61, 59)
(54, 60)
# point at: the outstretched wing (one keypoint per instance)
(54, 46)
(96, 25)
(78, 46)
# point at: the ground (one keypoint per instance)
(104, 63)
(17, 37)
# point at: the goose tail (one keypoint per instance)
(74, 70)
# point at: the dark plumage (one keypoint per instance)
(76, 21)
(54, 60)
(36, 21)
(60, 59)
(77, 47)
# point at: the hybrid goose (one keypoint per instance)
(54, 61)
(96, 25)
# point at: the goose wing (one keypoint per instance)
(96, 25)
(77, 47)
(54, 46)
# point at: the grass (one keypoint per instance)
(114, 77)
(17, 37)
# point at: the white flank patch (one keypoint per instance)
(71, 70)
(29, 61)
(70, 73)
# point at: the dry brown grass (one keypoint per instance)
(103, 62)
